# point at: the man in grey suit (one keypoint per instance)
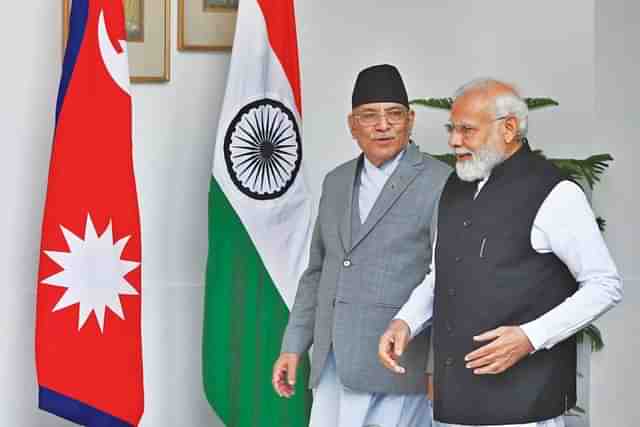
(370, 248)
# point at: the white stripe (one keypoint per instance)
(279, 228)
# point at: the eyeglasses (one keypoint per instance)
(465, 130)
(393, 116)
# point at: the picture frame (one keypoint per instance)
(206, 25)
(148, 38)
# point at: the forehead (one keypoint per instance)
(377, 106)
(471, 106)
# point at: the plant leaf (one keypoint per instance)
(441, 103)
(449, 159)
(536, 103)
(593, 334)
(589, 169)
(445, 103)
(576, 411)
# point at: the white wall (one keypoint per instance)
(559, 49)
(27, 86)
(175, 126)
(438, 45)
(614, 371)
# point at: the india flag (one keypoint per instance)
(259, 223)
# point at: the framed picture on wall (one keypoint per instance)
(148, 38)
(206, 25)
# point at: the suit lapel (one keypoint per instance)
(345, 223)
(410, 165)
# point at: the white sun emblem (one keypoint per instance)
(93, 273)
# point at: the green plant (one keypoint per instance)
(587, 171)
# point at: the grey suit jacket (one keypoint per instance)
(355, 284)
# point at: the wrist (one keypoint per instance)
(400, 324)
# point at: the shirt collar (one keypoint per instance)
(387, 168)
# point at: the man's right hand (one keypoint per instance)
(392, 344)
(284, 374)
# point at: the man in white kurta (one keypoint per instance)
(564, 225)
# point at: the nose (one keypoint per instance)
(455, 140)
(382, 123)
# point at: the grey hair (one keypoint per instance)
(510, 104)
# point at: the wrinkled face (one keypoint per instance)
(381, 129)
(476, 136)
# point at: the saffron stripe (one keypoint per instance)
(281, 27)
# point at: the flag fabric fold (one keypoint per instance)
(259, 223)
(88, 309)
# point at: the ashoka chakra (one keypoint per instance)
(262, 149)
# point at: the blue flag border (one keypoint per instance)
(76, 411)
(77, 26)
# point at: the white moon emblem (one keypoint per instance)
(116, 63)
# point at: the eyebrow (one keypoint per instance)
(449, 122)
(375, 110)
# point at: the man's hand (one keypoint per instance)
(509, 344)
(392, 344)
(284, 374)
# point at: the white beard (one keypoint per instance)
(481, 163)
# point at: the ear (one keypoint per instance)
(412, 119)
(351, 121)
(510, 129)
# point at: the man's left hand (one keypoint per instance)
(509, 344)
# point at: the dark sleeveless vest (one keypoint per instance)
(488, 275)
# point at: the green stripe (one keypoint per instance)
(244, 319)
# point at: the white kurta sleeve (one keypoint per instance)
(566, 226)
(418, 309)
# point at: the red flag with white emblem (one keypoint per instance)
(88, 338)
